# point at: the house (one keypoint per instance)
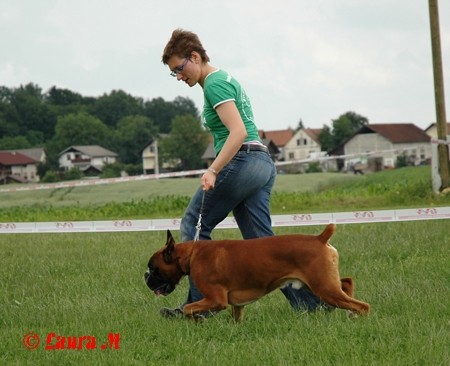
(279, 138)
(303, 145)
(36, 153)
(17, 167)
(431, 131)
(90, 158)
(384, 143)
(298, 144)
(150, 159)
(209, 155)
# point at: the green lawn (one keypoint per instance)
(90, 284)
(304, 193)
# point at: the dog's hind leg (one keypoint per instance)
(347, 286)
(341, 300)
(339, 293)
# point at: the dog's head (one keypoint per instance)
(164, 271)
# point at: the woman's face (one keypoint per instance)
(185, 69)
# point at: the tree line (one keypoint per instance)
(118, 121)
(59, 118)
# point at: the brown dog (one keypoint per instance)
(238, 272)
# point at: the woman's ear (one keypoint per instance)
(196, 58)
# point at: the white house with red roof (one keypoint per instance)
(17, 167)
(386, 142)
(86, 158)
(298, 144)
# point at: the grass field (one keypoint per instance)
(91, 285)
(320, 192)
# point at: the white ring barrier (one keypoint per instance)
(351, 217)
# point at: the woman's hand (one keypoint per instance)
(208, 180)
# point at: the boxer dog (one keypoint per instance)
(239, 272)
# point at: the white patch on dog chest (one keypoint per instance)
(296, 284)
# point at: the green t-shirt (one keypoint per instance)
(221, 87)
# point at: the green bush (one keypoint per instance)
(73, 174)
(50, 177)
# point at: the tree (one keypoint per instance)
(132, 135)
(13, 143)
(113, 107)
(343, 128)
(64, 101)
(81, 129)
(300, 125)
(32, 113)
(163, 112)
(62, 97)
(185, 106)
(9, 118)
(186, 143)
(326, 138)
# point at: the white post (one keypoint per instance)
(156, 157)
(435, 176)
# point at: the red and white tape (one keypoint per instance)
(94, 182)
(352, 217)
(440, 142)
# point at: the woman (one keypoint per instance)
(241, 177)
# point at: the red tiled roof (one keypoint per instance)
(314, 133)
(398, 132)
(278, 137)
(15, 158)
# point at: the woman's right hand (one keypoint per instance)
(208, 180)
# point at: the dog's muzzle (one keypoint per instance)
(159, 284)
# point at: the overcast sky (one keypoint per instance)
(297, 59)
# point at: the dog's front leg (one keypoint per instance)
(203, 307)
(237, 312)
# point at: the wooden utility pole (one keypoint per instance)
(441, 119)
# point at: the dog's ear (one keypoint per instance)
(170, 247)
(169, 236)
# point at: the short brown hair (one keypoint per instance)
(182, 44)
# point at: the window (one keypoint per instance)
(302, 141)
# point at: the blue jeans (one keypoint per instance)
(243, 187)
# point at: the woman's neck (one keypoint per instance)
(206, 70)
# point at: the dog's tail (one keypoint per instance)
(326, 234)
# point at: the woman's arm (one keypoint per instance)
(230, 117)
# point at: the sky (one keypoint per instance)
(297, 59)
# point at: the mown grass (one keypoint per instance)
(91, 283)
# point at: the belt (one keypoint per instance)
(253, 147)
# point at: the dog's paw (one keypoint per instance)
(351, 314)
